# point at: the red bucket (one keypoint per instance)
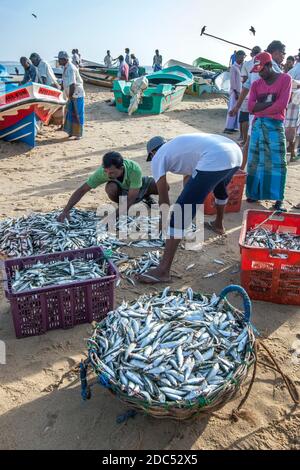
(264, 275)
(235, 191)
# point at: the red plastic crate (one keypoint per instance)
(235, 193)
(264, 275)
(52, 307)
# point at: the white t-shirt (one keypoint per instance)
(245, 72)
(45, 71)
(75, 60)
(72, 76)
(204, 152)
(247, 67)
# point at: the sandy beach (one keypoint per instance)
(40, 402)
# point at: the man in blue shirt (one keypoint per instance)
(232, 59)
(30, 71)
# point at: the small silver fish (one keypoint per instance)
(219, 261)
(172, 358)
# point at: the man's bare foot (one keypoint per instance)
(154, 276)
(214, 228)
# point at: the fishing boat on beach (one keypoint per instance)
(165, 90)
(209, 65)
(191, 68)
(5, 76)
(205, 79)
(23, 108)
(100, 75)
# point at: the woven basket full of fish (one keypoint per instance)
(174, 354)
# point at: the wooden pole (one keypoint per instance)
(224, 40)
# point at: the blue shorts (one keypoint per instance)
(243, 117)
(200, 184)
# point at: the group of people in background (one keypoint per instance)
(38, 70)
(264, 107)
(129, 65)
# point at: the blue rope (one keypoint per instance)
(85, 389)
(126, 416)
(104, 380)
(246, 299)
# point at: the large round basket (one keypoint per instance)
(187, 409)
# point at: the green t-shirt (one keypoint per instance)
(132, 176)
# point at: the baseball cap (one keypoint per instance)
(260, 61)
(153, 144)
(63, 55)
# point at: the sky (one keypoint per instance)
(172, 26)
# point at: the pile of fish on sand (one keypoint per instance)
(57, 273)
(172, 347)
(41, 233)
(265, 238)
(140, 265)
(144, 229)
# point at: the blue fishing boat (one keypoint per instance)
(4, 75)
(165, 90)
(24, 107)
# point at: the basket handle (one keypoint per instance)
(245, 296)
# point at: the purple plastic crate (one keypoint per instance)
(52, 307)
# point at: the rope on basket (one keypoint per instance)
(291, 387)
(85, 389)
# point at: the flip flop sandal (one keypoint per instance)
(209, 226)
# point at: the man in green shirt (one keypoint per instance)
(122, 178)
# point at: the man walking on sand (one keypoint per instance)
(207, 163)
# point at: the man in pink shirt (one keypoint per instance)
(267, 166)
(123, 73)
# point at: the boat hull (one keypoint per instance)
(25, 130)
(155, 104)
(23, 108)
(98, 79)
(101, 76)
(165, 91)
